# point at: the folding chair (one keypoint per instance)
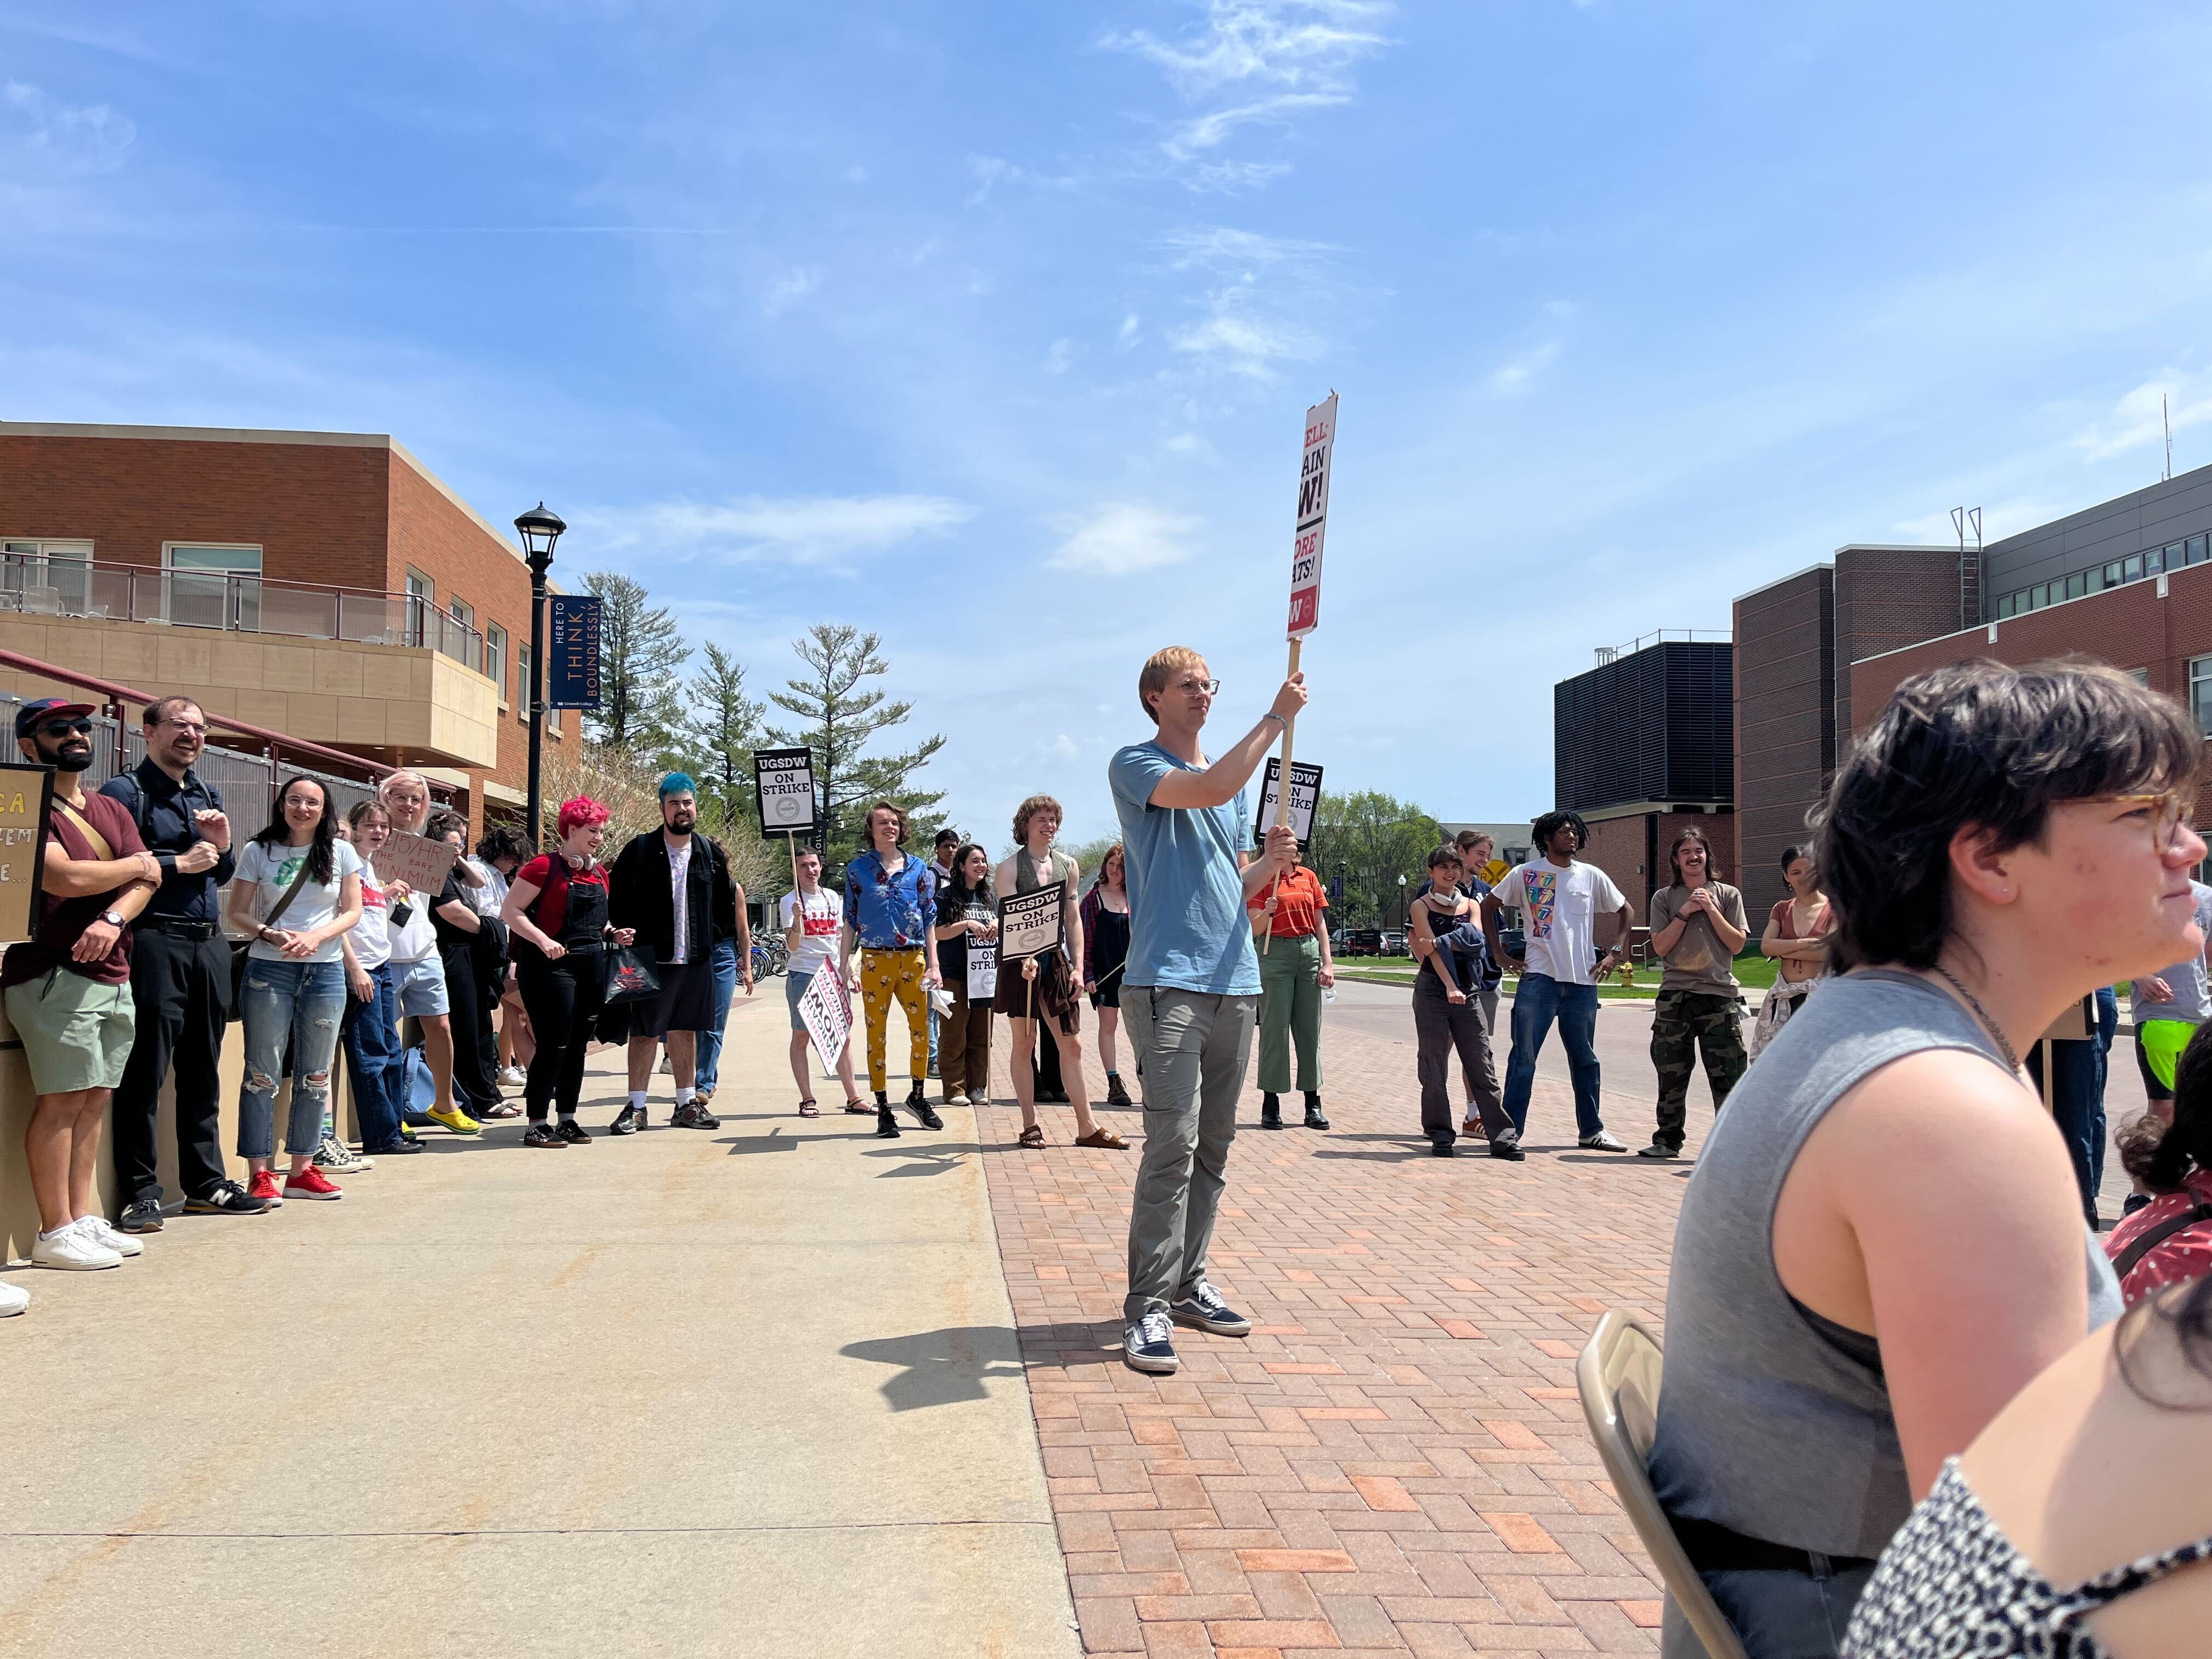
(1617, 1376)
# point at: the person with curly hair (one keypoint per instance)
(891, 914)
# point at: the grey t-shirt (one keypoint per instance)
(1699, 962)
(2191, 999)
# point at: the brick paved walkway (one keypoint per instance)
(1394, 1461)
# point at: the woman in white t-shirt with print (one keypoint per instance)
(810, 918)
(297, 893)
(370, 1033)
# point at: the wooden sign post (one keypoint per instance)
(1312, 524)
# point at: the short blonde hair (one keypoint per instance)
(1028, 809)
(1159, 668)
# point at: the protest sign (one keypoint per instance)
(1030, 924)
(417, 861)
(1312, 520)
(25, 805)
(572, 661)
(1305, 798)
(982, 970)
(783, 779)
(828, 1017)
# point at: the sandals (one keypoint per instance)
(1032, 1137)
(859, 1109)
(808, 1109)
(1104, 1139)
(504, 1108)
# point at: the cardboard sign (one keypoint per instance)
(783, 780)
(1030, 924)
(417, 861)
(1305, 800)
(828, 1017)
(983, 968)
(26, 802)
(1313, 517)
(572, 661)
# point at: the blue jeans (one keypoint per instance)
(296, 1004)
(1541, 1000)
(2077, 1095)
(373, 1060)
(708, 1069)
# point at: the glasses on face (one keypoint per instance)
(190, 728)
(1200, 687)
(2169, 813)
(303, 804)
(64, 728)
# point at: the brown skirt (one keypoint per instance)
(1050, 996)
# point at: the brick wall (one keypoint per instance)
(1785, 725)
(1887, 597)
(1621, 847)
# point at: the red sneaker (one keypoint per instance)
(263, 1185)
(311, 1182)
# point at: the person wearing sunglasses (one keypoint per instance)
(68, 989)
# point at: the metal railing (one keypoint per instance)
(1606, 653)
(38, 586)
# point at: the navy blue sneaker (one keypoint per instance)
(1204, 1308)
(1145, 1345)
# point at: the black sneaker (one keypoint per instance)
(537, 1135)
(1658, 1149)
(226, 1198)
(417, 1121)
(924, 1113)
(1314, 1119)
(572, 1133)
(1441, 1145)
(692, 1115)
(1508, 1148)
(1204, 1308)
(628, 1122)
(2133, 1202)
(408, 1138)
(143, 1217)
(1147, 1345)
(887, 1127)
(394, 1149)
(1271, 1111)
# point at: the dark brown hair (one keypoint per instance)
(1674, 854)
(1982, 745)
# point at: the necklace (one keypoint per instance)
(2011, 1060)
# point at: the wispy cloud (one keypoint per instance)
(1251, 316)
(2178, 396)
(788, 289)
(57, 138)
(1120, 538)
(1061, 355)
(794, 530)
(1522, 372)
(990, 171)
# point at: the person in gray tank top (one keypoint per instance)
(1883, 1242)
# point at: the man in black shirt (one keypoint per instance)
(179, 975)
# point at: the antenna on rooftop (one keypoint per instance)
(2166, 421)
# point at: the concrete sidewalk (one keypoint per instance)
(751, 1392)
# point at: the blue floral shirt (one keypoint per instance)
(890, 912)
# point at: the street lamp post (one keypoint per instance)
(1402, 912)
(539, 530)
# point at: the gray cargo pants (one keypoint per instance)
(1193, 1050)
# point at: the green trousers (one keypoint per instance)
(1290, 1011)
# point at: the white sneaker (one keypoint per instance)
(97, 1228)
(513, 1078)
(73, 1250)
(335, 1154)
(14, 1299)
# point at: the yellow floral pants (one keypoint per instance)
(886, 975)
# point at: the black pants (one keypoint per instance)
(562, 1000)
(1442, 1027)
(475, 1047)
(1044, 1065)
(182, 989)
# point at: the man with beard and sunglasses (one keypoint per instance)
(674, 888)
(68, 989)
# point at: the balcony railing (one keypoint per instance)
(238, 604)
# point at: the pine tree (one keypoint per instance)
(722, 725)
(838, 718)
(641, 653)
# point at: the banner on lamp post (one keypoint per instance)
(571, 657)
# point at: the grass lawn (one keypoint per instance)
(1755, 972)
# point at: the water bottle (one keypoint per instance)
(1330, 995)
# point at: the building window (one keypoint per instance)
(55, 577)
(2077, 584)
(2112, 574)
(201, 588)
(2197, 549)
(2093, 578)
(2141, 676)
(2131, 567)
(494, 658)
(2200, 692)
(420, 585)
(523, 692)
(2005, 604)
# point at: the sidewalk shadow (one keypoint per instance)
(942, 1367)
(924, 1160)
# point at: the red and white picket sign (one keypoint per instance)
(1313, 517)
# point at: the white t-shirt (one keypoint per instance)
(487, 898)
(679, 872)
(371, 938)
(1558, 909)
(817, 941)
(269, 869)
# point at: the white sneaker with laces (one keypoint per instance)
(1603, 1141)
(96, 1227)
(513, 1078)
(14, 1299)
(72, 1249)
(335, 1154)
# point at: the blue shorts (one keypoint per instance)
(795, 987)
(419, 988)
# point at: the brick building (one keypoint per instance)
(325, 585)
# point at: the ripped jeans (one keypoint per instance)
(295, 1006)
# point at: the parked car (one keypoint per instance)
(1358, 942)
(1393, 943)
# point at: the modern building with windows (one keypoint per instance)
(325, 585)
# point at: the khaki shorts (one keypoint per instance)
(75, 1031)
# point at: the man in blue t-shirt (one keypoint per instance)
(1191, 987)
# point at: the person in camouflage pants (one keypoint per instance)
(1685, 1022)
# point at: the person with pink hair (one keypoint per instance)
(556, 916)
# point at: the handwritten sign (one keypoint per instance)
(26, 801)
(983, 968)
(572, 664)
(1030, 924)
(417, 861)
(827, 1016)
(1313, 517)
(783, 781)
(1306, 798)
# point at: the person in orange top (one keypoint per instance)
(1294, 971)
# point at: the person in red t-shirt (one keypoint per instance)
(2170, 1239)
(68, 989)
(1294, 971)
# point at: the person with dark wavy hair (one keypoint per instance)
(1882, 1242)
(2169, 1239)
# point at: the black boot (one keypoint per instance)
(1314, 1119)
(917, 1102)
(1116, 1094)
(1271, 1111)
(887, 1127)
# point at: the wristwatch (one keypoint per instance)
(111, 918)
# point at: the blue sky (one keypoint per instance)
(990, 327)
